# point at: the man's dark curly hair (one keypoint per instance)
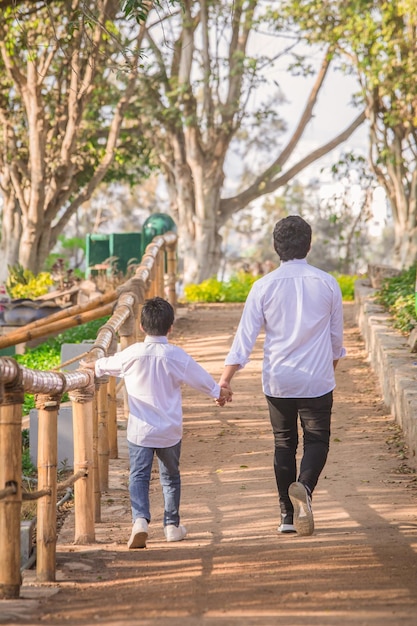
(292, 238)
(157, 317)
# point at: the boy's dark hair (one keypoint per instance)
(292, 238)
(157, 316)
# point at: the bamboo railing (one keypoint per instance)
(93, 410)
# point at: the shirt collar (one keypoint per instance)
(295, 261)
(156, 339)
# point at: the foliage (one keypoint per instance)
(116, 98)
(341, 241)
(212, 290)
(139, 10)
(346, 284)
(68, 253)
(376, 41)
(208, 94)
(22, 283)
(237, 288)
(397, 294)
(76, 65)
(28, 469)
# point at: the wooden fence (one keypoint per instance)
(94, 416)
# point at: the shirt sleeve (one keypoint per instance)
(109, 366)
(198, 378)
(248, 330)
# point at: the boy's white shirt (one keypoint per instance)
(154, 371)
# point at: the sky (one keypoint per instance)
(333, 113)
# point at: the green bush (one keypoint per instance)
(28, 469)
(347, 285)
(22, 283)
(239, 285)
(397, 294)
(212, 290)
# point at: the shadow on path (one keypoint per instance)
(359, 568)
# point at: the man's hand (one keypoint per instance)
(225, 395)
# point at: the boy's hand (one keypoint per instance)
(225, 396)
(89, 365)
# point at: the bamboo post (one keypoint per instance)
(83, 420)
(125, 342)
(103, 434)
(96, 469)
(160, 261)
(112, 418)
(46, 534)
(138, 330)
(112, 408)
(153, 288)
(10, 480)
(172, 274)
(127, 334)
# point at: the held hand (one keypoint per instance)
(90, 365)
(225, 395)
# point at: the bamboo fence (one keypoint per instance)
(93, 410)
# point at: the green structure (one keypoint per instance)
(157, 224)
(116, 250)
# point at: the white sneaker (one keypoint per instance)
(139, 534)
(175, 533)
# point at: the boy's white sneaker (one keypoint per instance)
(139, 534)
(175, 533)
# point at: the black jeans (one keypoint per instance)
(315, 414)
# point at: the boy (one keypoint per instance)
(153, 372)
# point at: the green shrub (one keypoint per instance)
(28, 469)
(22, 283)
(347, 285)
(239, 285)
(397, 294)
(212, 290)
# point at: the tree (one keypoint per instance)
(68, 75)
(88, 96)
(377, 40)
(197, 102)
(341, 239)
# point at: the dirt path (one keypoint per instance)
(359, 568)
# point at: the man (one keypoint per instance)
(300, 308)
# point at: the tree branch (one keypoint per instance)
(228, 206)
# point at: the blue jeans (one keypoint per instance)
(141, 460)
(315, 415)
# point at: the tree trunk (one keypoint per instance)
(405, 230)
(11, 234)
(48, 156)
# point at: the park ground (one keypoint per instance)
(234, 569)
